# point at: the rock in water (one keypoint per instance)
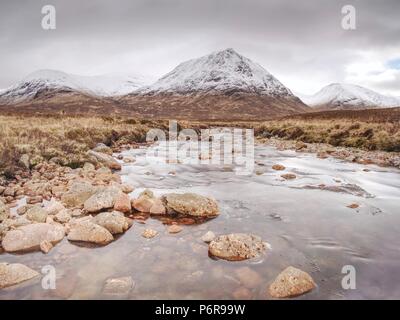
(149, 233)
(191, 204)
(123, 203)
(46, 246)
(208, 237)
(288, 176)
(236, 247)
(53, 207)
(118, 286)
(63, 216)
(115, 222)
(37, 214)
(148, 203)
(174, 229)
(14, 273)
(29, 237)
(105, 198)
(278, 167)
(105, 159)
(78, 193)
(87, 231)
(291, 282)
(353, 206)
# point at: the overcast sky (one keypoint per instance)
(301, 42)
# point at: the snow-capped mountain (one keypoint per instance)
(58, 81)
(222, 71)
(347, 96)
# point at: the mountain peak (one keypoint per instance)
(47, 79)
(221, 71)
(345, 95)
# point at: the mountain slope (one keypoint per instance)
(339, 96)
(223, 71)
(45, 81)
(221, 85)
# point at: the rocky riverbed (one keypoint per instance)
(126, 226)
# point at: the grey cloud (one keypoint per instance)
(301, 42)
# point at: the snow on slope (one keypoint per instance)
(340, 95)
(218, 72)
(104, 85)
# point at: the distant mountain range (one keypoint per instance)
(339, 96)
(223, 85)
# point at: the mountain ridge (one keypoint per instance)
(338, 96)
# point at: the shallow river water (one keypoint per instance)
(308, 226)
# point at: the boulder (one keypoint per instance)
(149, 233)
(208, 237)
(9, 192)
(278, 167)
(4, 211)
(29, 237)
(16, 222)
(148, 203)
(78, 193)
(105, 160)
(129, 159)
(174, 229)
(53, 207)
(88, 231)
(24, 161)
(191, 204)
(291, 282)
(34, 200)
(236, 247)
(101, 147)
(36, 214)
(63, 216)
(104, 198)
(123, 203)
(14, 273)
(88, 167)
(115, 222)
(157, 207)
(288, 176)
(46, 246)
(126, 188)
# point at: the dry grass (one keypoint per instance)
(63, 139)
(337, 132)
(66, 139)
